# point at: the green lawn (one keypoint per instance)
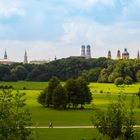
(66, 134)
(28, 85)
(95, 87)
(42, 116)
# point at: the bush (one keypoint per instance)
(42, 98)
(128, 80)
(118, 81)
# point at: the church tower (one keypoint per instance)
(109, 54)
(125, 54)
(118, 54)
(83, 51)
(5, 54)
(25, 58)
(88, 52)
(138, 55)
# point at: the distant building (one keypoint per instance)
(5, 55)
(38, 62)
(118, 54)
(109, 54)
(138, 55)
(83, 51)
(86, 53)
(125, 54)
(25, 58)
(6, 62)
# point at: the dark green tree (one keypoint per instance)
(20, 72)
(14, 118)
(72, 89)
(42, 97)
(118, 81)
(85, 96)
(128, 80)
(59, 98)
(4, 71)
(138, 94)
(53, 83)
(103, 78)
(138, 75)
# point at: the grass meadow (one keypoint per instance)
(102, 95)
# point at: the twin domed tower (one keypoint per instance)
(86, 53)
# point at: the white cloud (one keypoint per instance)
(102, 37)
(11, 7)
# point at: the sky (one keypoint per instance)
(49, 28)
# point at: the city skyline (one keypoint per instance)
(58, 28)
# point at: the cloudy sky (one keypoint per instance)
(49, 28)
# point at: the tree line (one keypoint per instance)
(101, 70)
(75, 92)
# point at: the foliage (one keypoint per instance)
(59, 98)
(75, 92)
(117, 121)
(138, 75)
(102, 69)
(85, 96)
(128, 80)
(42, 97)
(53, 83)
(13, 117)
(118, 81)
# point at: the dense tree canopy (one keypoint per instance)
(93, 70)
(75, 92)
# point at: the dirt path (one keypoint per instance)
(67, 127)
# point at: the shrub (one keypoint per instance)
(118, 81)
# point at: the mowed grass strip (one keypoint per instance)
(42, 116)
(26, 85)
(66, 134)
(95, 87)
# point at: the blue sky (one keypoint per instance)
(46, 28)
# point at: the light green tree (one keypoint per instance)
(14, 118)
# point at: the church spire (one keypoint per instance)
(138, 55)
(109, 54)
(5, 54)
(25, 58)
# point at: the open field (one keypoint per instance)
(66, 134)
(42, 116)
(95, 87)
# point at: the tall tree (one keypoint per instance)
(14, 118)
(117, 121)
(72, 89)
(59, 98)
(84, 93)
(53, 83)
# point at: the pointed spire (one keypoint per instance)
(5, 54)
(55, 58)
(138, 55)
(109, 54)
(118, 54)
(25, 58)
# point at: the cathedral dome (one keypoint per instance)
(125, 52)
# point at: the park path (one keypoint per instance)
(67, 127)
